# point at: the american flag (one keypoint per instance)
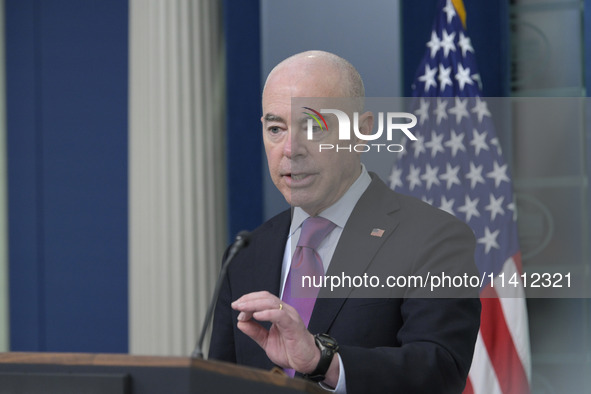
(457, 165)
(377, 232)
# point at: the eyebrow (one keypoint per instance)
(273, 118)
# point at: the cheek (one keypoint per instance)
(338, 165)
(274, 158)
(328, 160)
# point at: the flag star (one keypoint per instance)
(418, 145)
(470, 208)
(423, 111)
(465, 43)
(435, 144)
(499, 174)
(451, 175)
(476, 77)
(460, 109)
(495, 206)
(479, 141)
(511, 207)
(428, 77)
(489, 240)
(430, 176)
(440, 111)
(413, 177)
(443, 77)
(450, 11)
(481, 109)
(495, 142)
(463, 76)
(395, 178)
(402, 153)
(455, 143)
(475, 175)
(447, 205)
(434, 44)
(427, 200)
(447, 42)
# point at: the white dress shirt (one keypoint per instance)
(338, 213)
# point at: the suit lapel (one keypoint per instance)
(357, 247)
(267, 267)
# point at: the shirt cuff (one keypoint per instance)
(341, 383)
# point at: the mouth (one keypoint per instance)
(298, 180)
(299, 177)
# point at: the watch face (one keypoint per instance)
(328, 342)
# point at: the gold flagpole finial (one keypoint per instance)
(459, 6)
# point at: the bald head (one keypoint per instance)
(306, 176)
(333, 69)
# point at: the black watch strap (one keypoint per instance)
(328, 347)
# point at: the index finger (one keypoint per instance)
(257, 295)
(258, 301)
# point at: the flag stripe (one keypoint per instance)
(481, 378)
(500, 347)
(515, 312)
(468, 389)
(512, 300)
(516, 319)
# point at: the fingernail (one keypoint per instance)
(241, 316)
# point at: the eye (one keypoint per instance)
(274, 130)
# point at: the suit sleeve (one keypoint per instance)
(437, 336)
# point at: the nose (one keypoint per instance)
(294, 145)
(287, 146)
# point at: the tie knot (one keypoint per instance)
(314, 230)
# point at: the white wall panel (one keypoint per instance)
(177, 171)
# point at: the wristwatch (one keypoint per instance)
(328, 347)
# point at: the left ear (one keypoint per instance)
(366, 123)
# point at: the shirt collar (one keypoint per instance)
(339, 212)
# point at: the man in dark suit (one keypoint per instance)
(405, 340)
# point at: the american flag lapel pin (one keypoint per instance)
(377, 232)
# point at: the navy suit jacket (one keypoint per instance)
(396, 343)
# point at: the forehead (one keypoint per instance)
(302, 80)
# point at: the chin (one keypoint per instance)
(303, 203)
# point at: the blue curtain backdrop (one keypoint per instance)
(243, 109)
(66, 73)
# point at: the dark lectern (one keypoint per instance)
(78, 373)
